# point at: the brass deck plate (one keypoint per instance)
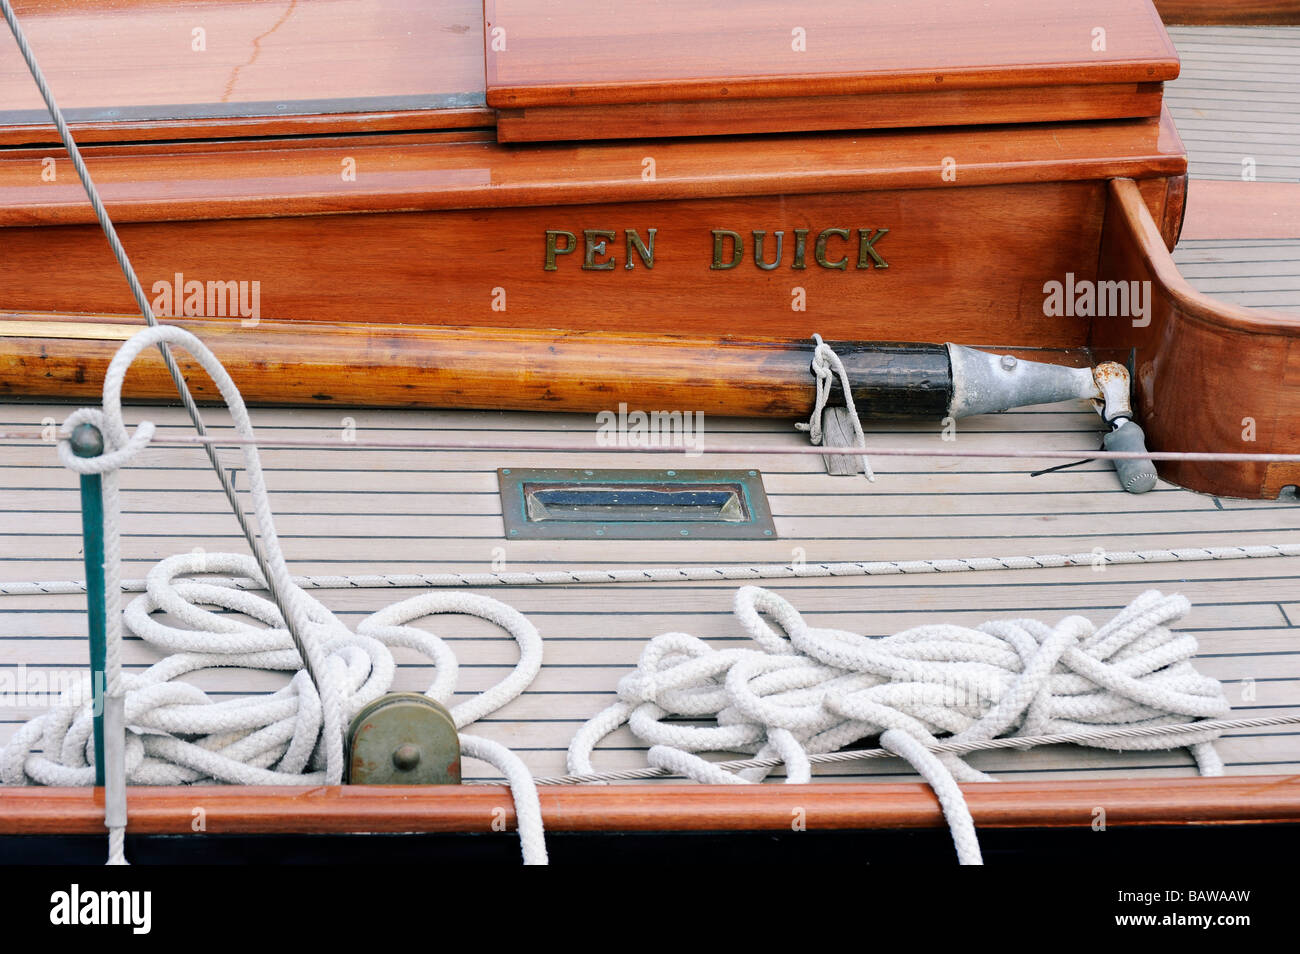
(581, 504)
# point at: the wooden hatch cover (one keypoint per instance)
(621, 68)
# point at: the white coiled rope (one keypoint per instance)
(806, 691)
(176, 734)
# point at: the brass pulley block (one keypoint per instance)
(403, 738)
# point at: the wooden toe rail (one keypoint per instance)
(623, 808)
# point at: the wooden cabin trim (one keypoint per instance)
(700, 50)
(951, 107)
(262, 181)
(647, 808)
(1158, 67)
(997, 244)
(306, 124)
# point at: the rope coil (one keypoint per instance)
(176, 734)
(807, 691)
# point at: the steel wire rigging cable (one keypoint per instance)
(141, 300)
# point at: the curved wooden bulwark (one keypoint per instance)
(1209, 376)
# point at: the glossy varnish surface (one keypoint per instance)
(472, 216)
(1209, 375)
(1235, 12)
(444, 268)
(465, 169)
(942, 107)
(682, 68)
(681, 807)
(561, 53)
(133, 70)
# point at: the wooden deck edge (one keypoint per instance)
(1235, 13)
(1224, 209)
(217, 129)
(625, 808)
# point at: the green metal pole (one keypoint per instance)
(87, 441)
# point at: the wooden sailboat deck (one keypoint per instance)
(1238, 97)
(349, 510)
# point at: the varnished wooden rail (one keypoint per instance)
(626, 808)
(1229, 12)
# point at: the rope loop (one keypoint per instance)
(826, 364)
(119, 447)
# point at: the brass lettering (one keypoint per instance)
(553, 249)
(800, 248)
(867, 247)
(738, 248)
(599, 255)
(593, 248)
(820, 250)
(634, 244)
(758, 250)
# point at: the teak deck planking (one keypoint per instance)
(355, 510)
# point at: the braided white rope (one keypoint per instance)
(826, 364)
(176, 734)
(681, 574)
(807, 691)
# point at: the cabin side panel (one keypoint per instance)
(966, 265)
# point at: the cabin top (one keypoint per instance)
(552, 70)
(709, 66)
(156, 69)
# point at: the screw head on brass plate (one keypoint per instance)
(403, 738)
